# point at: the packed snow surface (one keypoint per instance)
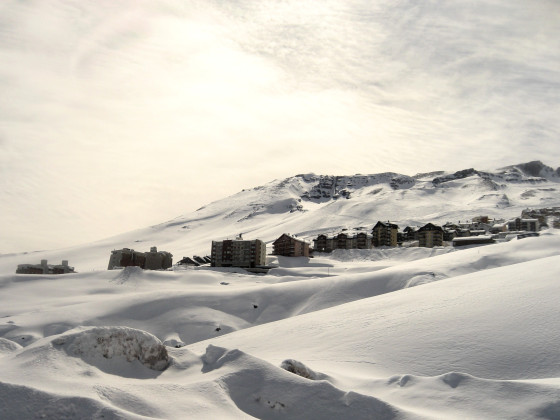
(384, 333)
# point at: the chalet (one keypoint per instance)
(188, 261)
(323, 243)
(498, 227)
(289, 246)
(384, 234)
(153, 260)
(44, 268)
(410, 234)
(430, 235)
(481, 219)
(238, 253)
(449, 234)
(343, 241)
(363, 241)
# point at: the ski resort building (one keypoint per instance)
(360, 240)
(45, 268)
(153, 260)
(363, 241)
(430, 235)
(384, 234)
(409, 234)
(238, 253)
(519, 224)
(289, 246)
(323, 243)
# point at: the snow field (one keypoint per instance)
(476, 338)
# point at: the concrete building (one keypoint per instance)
(238, 253)
(519, 224)
(384, 234)
(430, 235)
(152, 260)
(289, 246)
(45, 268)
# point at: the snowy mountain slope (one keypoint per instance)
(152, 91)
(301, 285)
(478, 341)
(307, 205)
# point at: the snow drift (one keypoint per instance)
(115, 343)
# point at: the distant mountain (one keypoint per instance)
(309, 204)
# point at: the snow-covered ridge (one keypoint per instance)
(308, 204)
(398, 333)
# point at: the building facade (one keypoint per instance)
(289, 246)
(238, 253)
(324, 243)
(430, 235)
(519, 224)
(363, 241)
(152, 260)
(45, 268)
(384, 234)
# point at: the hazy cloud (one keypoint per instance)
(119, 114)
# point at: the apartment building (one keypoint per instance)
(238, 253)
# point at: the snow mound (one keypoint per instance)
(116, 342)
(264, 391)
(174, 342)
(22, 402)
(127, 274)
(299, 369)
(8, 346)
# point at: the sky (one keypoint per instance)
(120, 114)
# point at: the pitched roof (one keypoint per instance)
(430, 226)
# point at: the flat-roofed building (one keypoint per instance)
(152, 260)
(238, 253)
(45, 268)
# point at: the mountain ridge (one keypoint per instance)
(308, 204)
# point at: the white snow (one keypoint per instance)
(476, 337)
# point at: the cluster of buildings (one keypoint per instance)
(382, 234)
(126, 257)
(152, 260)
(480, 230)
(45, 268)
(251, 254)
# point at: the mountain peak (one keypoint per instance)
(534, 168)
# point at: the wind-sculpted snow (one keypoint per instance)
(268, 392)
(19, 402)
(124, 343)
(300, 369)
(344, 335)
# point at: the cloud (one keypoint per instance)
(119, 114)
